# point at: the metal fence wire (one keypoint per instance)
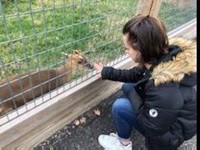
(47, 46)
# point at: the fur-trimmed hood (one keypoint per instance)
(179, 65)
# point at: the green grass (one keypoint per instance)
(174, 17)
(32, 41)
(45, 34)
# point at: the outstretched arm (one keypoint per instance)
(98, 67)
(121, 75)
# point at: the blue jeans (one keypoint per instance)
(123, 116)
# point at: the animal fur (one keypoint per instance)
(17, 90)
(183, 63)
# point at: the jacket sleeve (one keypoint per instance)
(126, 75)
(160, 109)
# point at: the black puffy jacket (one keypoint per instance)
(167, 111)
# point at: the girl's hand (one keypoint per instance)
(98, 67)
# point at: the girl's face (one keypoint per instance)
(134, 54)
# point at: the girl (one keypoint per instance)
(159, 96)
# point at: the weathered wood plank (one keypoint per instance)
(155, 8)
(79, 102)
(150, 7)
(144, 7)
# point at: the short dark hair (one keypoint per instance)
(147, 35)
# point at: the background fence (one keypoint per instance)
(34, 33)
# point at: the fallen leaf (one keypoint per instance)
(97, 112)
(83, 120)
(77, 122)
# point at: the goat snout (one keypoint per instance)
(90, 66)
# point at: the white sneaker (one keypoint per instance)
(111, 142)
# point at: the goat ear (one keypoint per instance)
(66, 55)
(76, 52)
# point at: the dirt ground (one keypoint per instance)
(83, 136)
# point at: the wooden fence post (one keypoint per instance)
(144, 7)
(155, 8)
(150, 7)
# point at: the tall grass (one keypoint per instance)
(34, 33)
(173, 16)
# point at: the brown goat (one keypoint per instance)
(17, 90)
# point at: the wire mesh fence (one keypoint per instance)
(175, 13)
(35, 34)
